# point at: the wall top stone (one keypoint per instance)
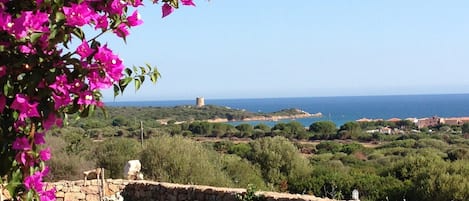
(74, 186)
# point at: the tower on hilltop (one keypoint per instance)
(200, 101)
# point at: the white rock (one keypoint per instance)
(132, 169)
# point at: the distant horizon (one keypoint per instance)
(225, 49)
(284, 97)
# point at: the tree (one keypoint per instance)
(465, 128)
(43, 77)
(179, 160)
(279, 160)
(113, 154)
(350, 130)
(245, 130)
(263, 127)
(325, 129)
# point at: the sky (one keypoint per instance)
(223, 49)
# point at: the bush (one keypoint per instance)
(65, 165)
(113, 154)
(179, 160)
(279, 160)
(242, 172)
(240, 149)
(328, 147)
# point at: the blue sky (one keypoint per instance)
(310, 48)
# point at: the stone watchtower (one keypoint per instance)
(200, 101)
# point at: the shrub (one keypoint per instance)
(112, 154)
(279, 160)
(179, 160)
(242, 172)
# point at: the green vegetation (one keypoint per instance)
(411, 164)
(120, 115)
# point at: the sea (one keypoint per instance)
(340, 109)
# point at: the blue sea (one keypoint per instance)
(342, 109)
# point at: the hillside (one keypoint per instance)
(209, 112)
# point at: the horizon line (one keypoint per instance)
(285, 97)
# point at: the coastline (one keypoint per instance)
(267, 118)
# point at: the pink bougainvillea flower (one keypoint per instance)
(27, 49)
(34, 182)
(112, 64)
(76, 86)
(24, 158)
(101, 22)
(21, 143)
(166, 9)
(51, 120)
(61, 85)
(84, 50)
(121, 30)
(187, 2)
(3, 102)
(97, 81)
(39, 138)
(79, 14)
(48, 195)
(44, 154)
(25, 108)
(5, 21)
(117, 7)
(29, 22)
(60, 101)
(135, 19)
(86, 98)
(3, 71)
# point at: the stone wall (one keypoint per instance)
(117, 189)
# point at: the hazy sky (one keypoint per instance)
(309, 48)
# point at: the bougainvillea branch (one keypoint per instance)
(43, 79)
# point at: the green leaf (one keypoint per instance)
(79, 33)
(138, 83)
(128, 71)
(8, 89)
(16, 178)
(35, 37)
(174, 3)
(91, 109)
(59, 16)
(116, 90)
(123, 83)
(144, 71)
(154, 76)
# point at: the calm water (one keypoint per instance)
(343, 109)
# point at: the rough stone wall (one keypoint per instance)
(117, 189)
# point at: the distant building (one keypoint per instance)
(427, 122)
(394, 120)
(200, 101)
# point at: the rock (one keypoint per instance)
(90, 190)
(92, 198)
(59, 194)
(132, 169)
(74, 196)
(75, 189)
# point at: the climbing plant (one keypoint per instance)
(43, 78)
